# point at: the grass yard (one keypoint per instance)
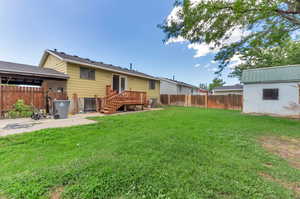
(181, 153)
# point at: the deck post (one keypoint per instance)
(97, 104)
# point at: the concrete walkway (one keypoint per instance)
(24, 125)
(17, 126)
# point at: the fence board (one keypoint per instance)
(232, 102)
(32, 96)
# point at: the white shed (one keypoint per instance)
(273, 90)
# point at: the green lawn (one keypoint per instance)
(174, 153)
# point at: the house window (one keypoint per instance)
(180, 88)
(89, 104)
(271, 94)
(60, 90)
(86, 73)
(152, 84)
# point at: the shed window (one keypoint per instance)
(152, 84)
(86, 73)
(271, 94)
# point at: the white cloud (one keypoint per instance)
(176, 40)
(213, 62)
(174, 15)
(215, 69)
(235, 61)
(197, 65)
(202, 49)
(206, 65)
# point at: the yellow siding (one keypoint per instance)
(87, 88)
(141, 84)
(55, 63)
(90, 88)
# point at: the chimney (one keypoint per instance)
(130, 66)
(55, 49)
(173, 77)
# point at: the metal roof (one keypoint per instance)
(96, 64)
(28, 70)
(289, 73)
(231, 87)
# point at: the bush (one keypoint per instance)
(20, 109)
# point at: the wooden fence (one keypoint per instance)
(34, 97)
(232, 102)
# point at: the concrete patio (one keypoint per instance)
(24, 125)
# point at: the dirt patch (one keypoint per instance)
(295, 186)
(287, 148)
(56, 194)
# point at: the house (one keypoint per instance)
(228, 90)
(174, 87)
(28, 75)
(274, 90)
(90, 80)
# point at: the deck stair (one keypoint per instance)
(113, 101)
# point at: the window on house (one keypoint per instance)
(180, 88)
(86, 73)
(271, 94)
(89, 104)
(152, 84)
(60, 90)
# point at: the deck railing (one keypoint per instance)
(116, 100)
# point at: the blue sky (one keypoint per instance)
(113, 31)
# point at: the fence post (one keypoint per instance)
(75, 104)
(1, 101)
(206, 101)
(97, 103)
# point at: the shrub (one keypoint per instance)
(20, 109)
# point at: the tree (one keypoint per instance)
(217, 82)
(203, 86)
(263, 24)
(287, 54)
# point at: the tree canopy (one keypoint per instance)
(287, 54)
(262, 25)
(216, 82)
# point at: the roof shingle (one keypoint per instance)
(29, 70)
(74, 58)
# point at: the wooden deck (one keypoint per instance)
(113, 101)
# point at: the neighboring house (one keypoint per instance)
(274, 90)
(174, 87)
(21, 74)
(89, 79)
(229, 90)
